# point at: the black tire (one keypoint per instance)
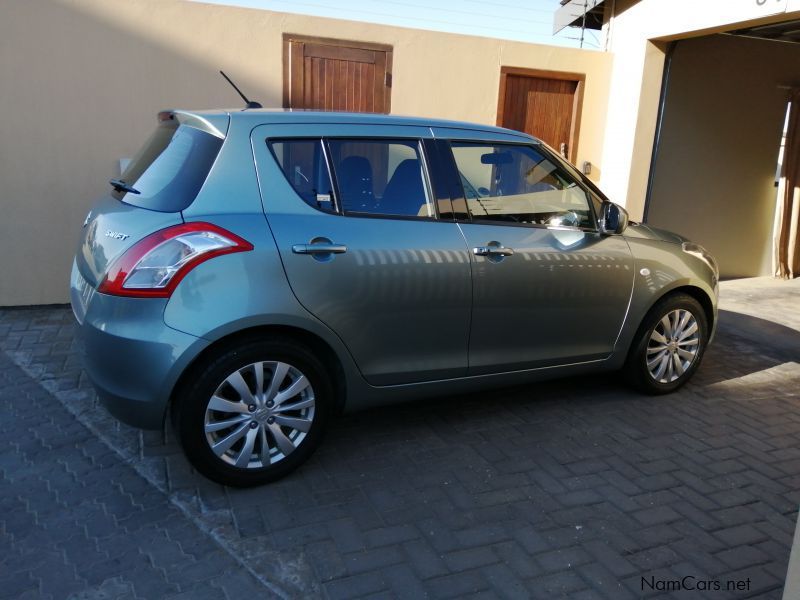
(636, 368)
(206, 379)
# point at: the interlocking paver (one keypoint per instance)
(355, 586)
(577, 488)
(458, 585)
(59, 543)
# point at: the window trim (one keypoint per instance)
(440, 173)
(538, 146)
(337, 207)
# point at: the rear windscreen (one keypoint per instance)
(170, 169)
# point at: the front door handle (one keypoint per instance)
(492, 251)
(319, 248)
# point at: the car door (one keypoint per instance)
(364, 249)
(548, 288)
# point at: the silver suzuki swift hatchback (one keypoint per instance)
(252, 273)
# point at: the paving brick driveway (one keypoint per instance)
(574, 488)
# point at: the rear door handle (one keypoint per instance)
(492, 251)
(319, 248)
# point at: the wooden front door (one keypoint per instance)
(545, 104)
(325, 74)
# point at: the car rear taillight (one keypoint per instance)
(154, 266)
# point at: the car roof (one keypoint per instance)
(290, 115)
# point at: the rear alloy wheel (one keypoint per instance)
(256, 414)
(668, 346)
(259, 414)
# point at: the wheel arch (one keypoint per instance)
(689, 289)
(318, 345)
(695, 292)
(637, 345)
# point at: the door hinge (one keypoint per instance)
(387, 79)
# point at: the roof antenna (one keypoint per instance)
(250, 103)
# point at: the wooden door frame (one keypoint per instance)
(577, 102)
(288, 38)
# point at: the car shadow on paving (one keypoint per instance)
(575, 487)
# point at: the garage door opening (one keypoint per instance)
(713, 175)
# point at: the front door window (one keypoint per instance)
(511, 183)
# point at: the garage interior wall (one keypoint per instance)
(714, 174)
(83, 81)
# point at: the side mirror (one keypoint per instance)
(613, 218)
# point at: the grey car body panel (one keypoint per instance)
(231, 186)
(662, 258)
(646, 232)
(405, 282)
(131, 356)
(496, 134)
(560, 298)
(661, 267)
(139, 347)
(300, 117)
(212, 303)
(226, 306)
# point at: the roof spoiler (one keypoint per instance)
(216, 124)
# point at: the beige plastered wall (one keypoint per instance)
(715, 170)
(636, 32)
(82, 81)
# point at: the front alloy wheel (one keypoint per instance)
(673, 346)
(668, 346)
(253, 412)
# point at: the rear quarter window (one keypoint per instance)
(303, 163)
(170, 168)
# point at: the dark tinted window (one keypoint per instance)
(381, 177)
(171, 167)
(303, 164)
(519, 184)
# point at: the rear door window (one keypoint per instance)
(170, 169)
(381, 177)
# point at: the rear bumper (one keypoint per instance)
(132, 357)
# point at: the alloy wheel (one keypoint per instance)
(673, 346)
(259, 414)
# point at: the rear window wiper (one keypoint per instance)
(121, 186)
